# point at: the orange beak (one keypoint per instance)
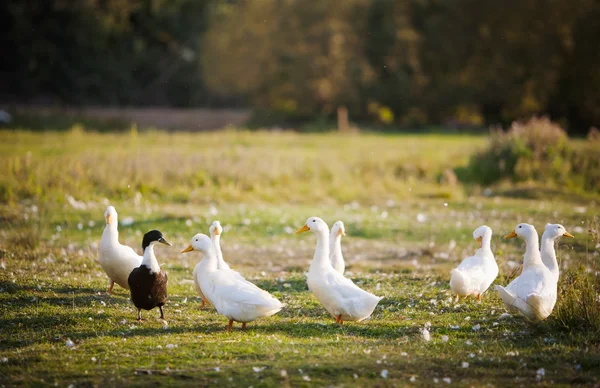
(511, 235)
(188, 249)
(303, 229)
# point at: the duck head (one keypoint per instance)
(315, 225)
(200, 242)
(338, 229)
(153, 237)
(555, 231)
(522, 230)
(111, 216)
(479, 233)
(215, 228)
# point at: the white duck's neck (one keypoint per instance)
(549, 254)
(216, 239)
(149, 259)
(486, 241)
(335, 247)
(321, 258)
(209, 262)
(111, 233)
(532, 251)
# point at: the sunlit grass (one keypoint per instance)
(404, 234)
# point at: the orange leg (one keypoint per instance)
(244, 326)
(110, 287)
(203, 304)
(479, 297)
(230, 325)
(456, 299)
(338, 319)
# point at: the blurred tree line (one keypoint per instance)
(390, 61)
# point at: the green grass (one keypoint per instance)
(262, 187)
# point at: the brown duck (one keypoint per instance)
(148, 283)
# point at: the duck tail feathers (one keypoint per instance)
(460, 283)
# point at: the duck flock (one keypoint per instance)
(533, 293)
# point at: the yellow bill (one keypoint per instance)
(188, 249)
(108, 219)
(479, 239)
(302, 229)
(511, 235)
(569, 235)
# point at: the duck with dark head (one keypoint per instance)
(148, 283)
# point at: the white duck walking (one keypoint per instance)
(476, 273)
(551, 234)
(115, 259)
(232, 295)
(335, 246)
(343, 299)
(215, 235)
(533, 293)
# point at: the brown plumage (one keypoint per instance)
(148, 290)
(148, 283)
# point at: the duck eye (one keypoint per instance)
(196, 239)
(314, 220)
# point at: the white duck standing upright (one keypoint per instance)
(232, 295)
(533, 294)
(551, 234)
(343, 299)
(215, 235)
(115, 259)
(335, 246)
(476, 273)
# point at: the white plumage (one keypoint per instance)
(475, 274)
(335, 247)
(534, 292)
(343, 299)
(231, 294)
(115, 259)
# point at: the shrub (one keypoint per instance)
(537, 150)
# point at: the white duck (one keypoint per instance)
(232, 295)
(215, 235)
(116, 260)
(335, 246)
(551, 234)
(475, 274)
(340, 296)
(533, 293)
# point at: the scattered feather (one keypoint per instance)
(384, 373)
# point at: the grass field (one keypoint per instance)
(408, 224)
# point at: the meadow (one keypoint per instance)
(408, 221)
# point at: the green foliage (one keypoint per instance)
(537, 150)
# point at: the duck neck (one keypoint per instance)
(149, 259)
(486, 241)
(209, 262)
(321, 258)
(549, 254)
(532, 251)
(335, 247)
(111, 233)
(216, 239)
